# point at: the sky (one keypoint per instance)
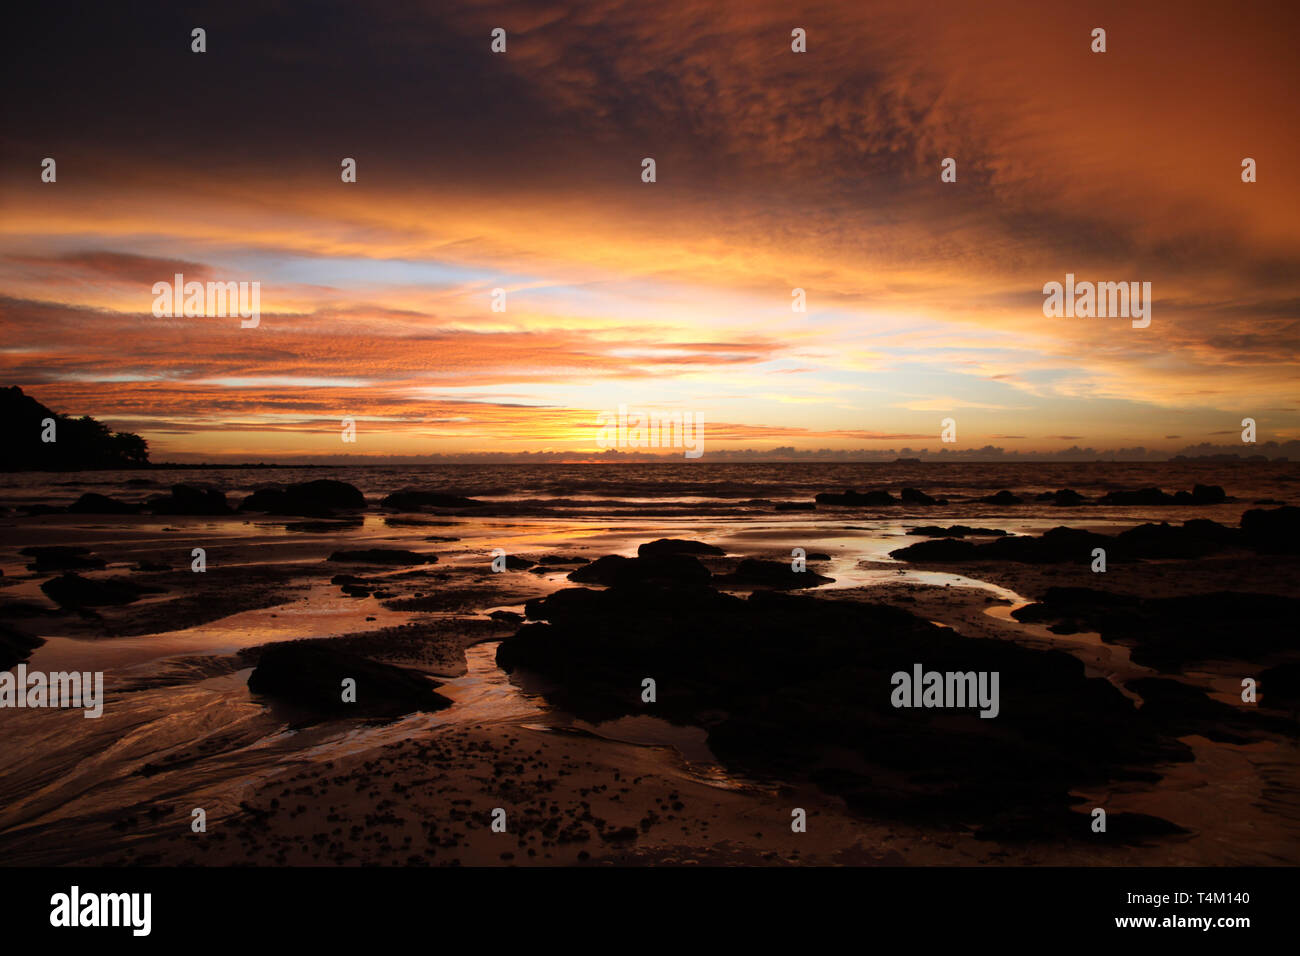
(774, 170)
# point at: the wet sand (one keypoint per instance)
(181, 730)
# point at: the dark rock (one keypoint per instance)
(1169, 633)
(1182, 709)
(507, 617)
(1279, 686)
(16, 645)
(57, 557)
(1275, 531)
(872, 499)
(564, 559)
(957, 531)
(1122, 828)
(325, 527)
(1208, 495)
(151, 566)
(792, 686)
(92, 503)
(1199, 495)
(413, 500)
(515, 563)
(313, 499)
(311, 675)
(654, 549)
(941, 550)
(1144, 496)
(383, 556)
(1194, 538)
(614, 569)
(189, 500)
(912, 496)
(1003, 497)
(1066, 497)
(770, 574)
(74, 591)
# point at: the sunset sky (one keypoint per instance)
(775, 170)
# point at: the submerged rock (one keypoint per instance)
(957, 531)
(912, 496)
(58, 557)
(1199, 495)
(149, 566)
(413, 500)
(326, 527)
(383, 556)
(872, 499)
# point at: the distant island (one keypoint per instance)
(78, 443)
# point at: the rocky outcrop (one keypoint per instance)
(794, 686)
(1066, 497)
(190, 500)
(654, 549)
(312, 499)
(16, 645)
(58, 557)
(614, 569)
(1275, 531)
(1003, 498)
(93, 503)
(1195, 538)
(1199, 495)
(75, 592)
(778, 575)
(311, 675)
(383, 556)
(957, 531)
(871, 499)
(1170, 632)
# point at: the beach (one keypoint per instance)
(772, 681)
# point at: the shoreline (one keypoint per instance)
(278, 585)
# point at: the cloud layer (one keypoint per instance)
(775, 171)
